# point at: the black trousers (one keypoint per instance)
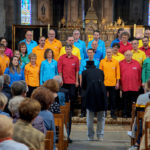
(112, 97)
(72, 90)
(30, 90)
(128, 98)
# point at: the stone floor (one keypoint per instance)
(115, 138)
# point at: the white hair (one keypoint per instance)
(3, 100)
(1, 81)
(14, 104)
(58, 79)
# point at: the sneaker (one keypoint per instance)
(130, 134)
(90, 139)
(134, 147)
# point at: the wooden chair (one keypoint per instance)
(147, 126)
(50, 136)
(132, 121)
(140, 115)
(47, 143)
(64, 111)
(59, 122)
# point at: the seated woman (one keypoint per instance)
(6, 132)
(23, 53)
(23, 130)
(32, 74)
(17, 54)
(3, 102)
(19, 91)
(46, 98)
(14, 70)
(53, 86)
(48, 67)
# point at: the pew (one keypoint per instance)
(147, 134)
(132, 121)
(59, 122)
(50, 136)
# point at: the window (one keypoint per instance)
(149, 13)
(26, 12)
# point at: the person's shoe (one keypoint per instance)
(90, 138)
(134, 147)
(130, 134)
(69, 140)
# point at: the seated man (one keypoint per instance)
(6, 132)
(23, 130)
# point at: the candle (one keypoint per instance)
(40, 31)
(134, 30)
(48, 28)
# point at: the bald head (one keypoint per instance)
(6, 127)
(94, 45)
(128, 55)
(51, 35)
(147, 33)
(109, 53)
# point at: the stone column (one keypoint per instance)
(2, 18)
(107, 10)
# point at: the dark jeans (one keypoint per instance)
(128, 98)
(30, 90)
(71, 88)
(112, 97)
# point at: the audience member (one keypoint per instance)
(8, 52)
(23, 53)
(111, 70)
(3, 102)
(75, 50)
(48, 67)
(29, 42)
(130, 71)
(53, 86)
(14, 70)
(53, 44)
(32, 72)
(4, 60)
(79, 44)
(124, 44)
(23, 130)
(46, 98)
(6, 132)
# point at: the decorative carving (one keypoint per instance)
(43, 11)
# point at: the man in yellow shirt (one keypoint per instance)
(53, 44)
(75, 50)
(116, 55)
(147, 34)
(4, 60)
(39, 51)
(138, 55)
(111, 70)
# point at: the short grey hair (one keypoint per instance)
(3, 100)
(6, 79)
(14, 104)
(25, 87)
(76, 31)
(1, 81)
(58, 79)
